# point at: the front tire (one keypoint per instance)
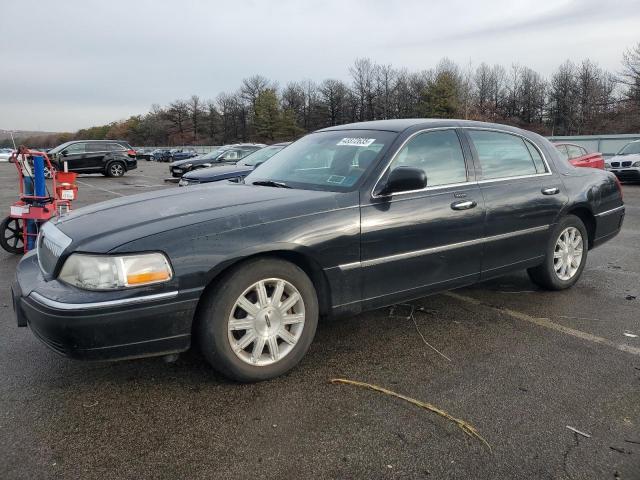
(259, 320)
(566, 256)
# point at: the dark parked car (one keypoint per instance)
(144, 153)
(109, 157)
(161, 155)
(346, 219)
(228, 154)
(178, 155)
(231, 172)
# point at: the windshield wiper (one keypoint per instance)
(270, 183)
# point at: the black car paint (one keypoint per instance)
(339, 239)
(216, 174)
(94, 161)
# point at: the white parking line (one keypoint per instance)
(100, 188)
(546, 323)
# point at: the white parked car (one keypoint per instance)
(626, 163)
(5, 153)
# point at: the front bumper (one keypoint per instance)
(177, 172)
(132, 164)
(153, 323)
(626, 174)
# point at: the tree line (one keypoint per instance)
(577, 99)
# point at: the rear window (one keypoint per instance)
(116, 147)
(503, 155)
(96, 147)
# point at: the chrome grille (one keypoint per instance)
(51, 243)
(626, 164)
(615, 164)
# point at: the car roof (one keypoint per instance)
(100, 141)
(399, 125)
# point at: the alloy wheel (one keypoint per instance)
(266, 322)
(116, 170)
(567, 254)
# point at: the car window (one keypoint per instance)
(96, 147)
(629, 149)
(76, 148)
(438, 153)
(116, 147)
(261, 155)
(333, 160)
(537, 158)
(502, 155)
(231, 155)
(563, 151)
(574, 152)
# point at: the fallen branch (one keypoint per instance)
(464, 426)
(425, 340)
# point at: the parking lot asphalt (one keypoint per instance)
(524, 365)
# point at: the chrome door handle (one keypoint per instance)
(550, 190)
(464, 205)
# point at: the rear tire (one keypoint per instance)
(250, 332)
(566, 256)
(11, 235)
(116, 169)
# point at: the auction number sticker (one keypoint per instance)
(356, 141)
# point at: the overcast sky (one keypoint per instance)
(77, 63)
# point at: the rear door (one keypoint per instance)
(96, 151)
(523, 198)
(415, 242)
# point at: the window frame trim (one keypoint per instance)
(517, 177)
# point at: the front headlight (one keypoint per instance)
(105, 272)
(636, 164)
(188, 165)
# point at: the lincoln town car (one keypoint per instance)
(346, 219)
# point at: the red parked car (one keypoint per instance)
(579, 157)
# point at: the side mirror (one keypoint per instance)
(64, 153)
(257, 165)
(404, 179)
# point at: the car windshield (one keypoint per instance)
(630, 149)
(260, 156)
(213, 154)
(332, 160)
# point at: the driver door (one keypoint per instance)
(416, 242)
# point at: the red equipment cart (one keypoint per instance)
(16, 230)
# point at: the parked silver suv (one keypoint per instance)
(626, 163)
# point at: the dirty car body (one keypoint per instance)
(362, 247)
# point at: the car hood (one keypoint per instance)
(194, 160)
(633, 157)
(213, 172)
(105, 226)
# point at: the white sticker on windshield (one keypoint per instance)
(356, 141)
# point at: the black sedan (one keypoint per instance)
(345, 219)
(228, 154)
(231, 172)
